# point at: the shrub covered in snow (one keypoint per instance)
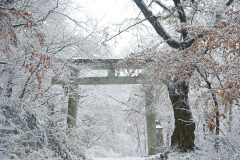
(27, 132)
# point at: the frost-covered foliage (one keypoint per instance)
(27, 132)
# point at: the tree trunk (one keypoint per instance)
(217, 118)
(9, 83)
(230, 118)
(183, 135)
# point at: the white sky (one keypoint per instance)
(109, 12)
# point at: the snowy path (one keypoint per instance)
(125, 158)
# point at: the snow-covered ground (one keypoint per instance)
(124, 158)
(198, 155)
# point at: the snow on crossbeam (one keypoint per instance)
(101, 80)
(105, 64)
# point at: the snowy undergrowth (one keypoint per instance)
(27, 132)
(196, 155)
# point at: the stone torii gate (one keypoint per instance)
(110, 66)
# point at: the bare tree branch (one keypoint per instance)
(49, 12)
(160, 30)
(219, 14)
(73, 20)
(139, 22)
(5, 8)
(125, 30)
(182, 16)
(40, 20)
(3, 62)
(135, 23)
(121, 102)
(156, 24)
(162, 5)
(229, 2)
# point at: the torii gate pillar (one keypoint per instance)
(73, 99)
(150, 114)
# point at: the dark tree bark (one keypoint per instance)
(183, 135)
(9, 83)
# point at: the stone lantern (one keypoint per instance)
(159, 134)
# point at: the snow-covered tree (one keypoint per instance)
(33, 37)
(206, 36)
